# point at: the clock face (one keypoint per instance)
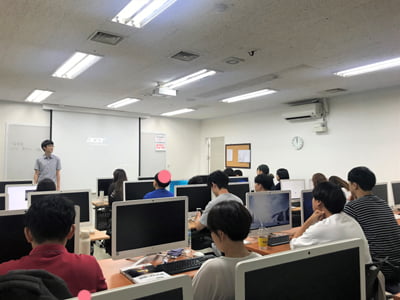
(297, 142)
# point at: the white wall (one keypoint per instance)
(363, 130)
(19, 113)
(183, 144)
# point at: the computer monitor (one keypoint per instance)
(198, 195)
(174, 288)
(239, 189)
(16, 196)
(103, 184)
(2, 201)
(13, 238)
(306, 205)
(148, 226)
(271, 210)
(238, 179)
(174, 183)
(295, 186)
(3, 183)
(78, 197)
(381, 190)
(327, 271)
(134, 190)
(145, 178)
(396, 192)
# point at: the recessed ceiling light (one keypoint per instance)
(123, 102)
(177, 112)
(138, 13)
(386, 64)
(189, 78)
(75, 65)
(249, 96)
(38, 96)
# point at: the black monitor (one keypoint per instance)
(198, 195)
(396, 192)
(238, 179)
(327, 271)
(13, 238)
(239, 189)
(103, 184)
(3, 184)
(134, 190)
(148, 226)
(78, 197)
(145, 178)
(271, 210)
(2, 201)
(380, 190)
(306, 205)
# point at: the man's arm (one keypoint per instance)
(36, 177)
(58, 180)
(314, 218)
(197, 224)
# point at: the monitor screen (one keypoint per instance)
(396, 192)
(198, 195)
(148, 226)
(134, 190)
(3, 184)
(174, 183)
(328, 271)
(238, 179)
(79, 197)
(145, 178)
(380, 190)
(174, 288)
(103, 184)
(306, 205)
(2, 201)
(295, 186)
(16, 196)
(239, 189)
(270, 210)
(12, 234)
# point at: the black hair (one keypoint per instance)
(265, 180)
(282, 173)
(196, 180)
(162, 185)
(363, 176)
(230, 217)
(50, 219)
(46, 184)
(330, 195)
(45, 143)
(229, 172)
(263, 168)
(238, 173)
(219, 178)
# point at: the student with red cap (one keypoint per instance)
(161, 181)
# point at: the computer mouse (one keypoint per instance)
(198, 254)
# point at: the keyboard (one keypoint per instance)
(275, 240)
(184, 265)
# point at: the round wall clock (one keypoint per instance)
(297, 142)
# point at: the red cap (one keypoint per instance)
(164, 176)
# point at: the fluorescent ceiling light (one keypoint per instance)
(75, 65)
(177, 112)
(122, 102)
(189, 78)
(38, 96)
(386, 64)
(249, 96)
(140, 12)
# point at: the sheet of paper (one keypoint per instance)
(229, 155)
(244, 156)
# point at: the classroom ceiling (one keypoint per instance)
(296, 44)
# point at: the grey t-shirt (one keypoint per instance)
(222, 197)
(47, 167)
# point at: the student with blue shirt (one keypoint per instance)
(161, 181)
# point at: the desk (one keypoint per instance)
(100, 203)
(98, 235)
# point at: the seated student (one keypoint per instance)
(328, 223)
(281, 174)
(161, 181)
(263, 182)
(196, 180)
(218, 182)
(317, 178)
(378, 223)
(230, 172)
(46, 184)
(262, 169)
(238, 172)
(342, 184)
(115, 191)
(229, 223)
(49, 224)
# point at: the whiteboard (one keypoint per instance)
(151, 161)
(22, 149)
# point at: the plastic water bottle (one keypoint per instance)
(188, 250)
(84, 242)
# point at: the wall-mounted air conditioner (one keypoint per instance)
(304, 112)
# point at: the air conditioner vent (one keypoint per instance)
(185, 56)
(106, 38)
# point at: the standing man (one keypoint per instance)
(48, 165)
